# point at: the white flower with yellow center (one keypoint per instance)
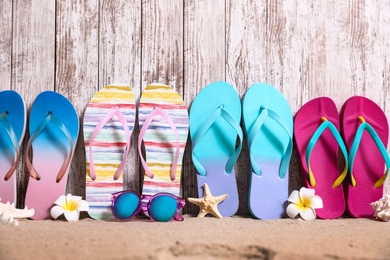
(305, 203)
(70, 206)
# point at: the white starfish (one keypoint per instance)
(9, 214)
(8, 220)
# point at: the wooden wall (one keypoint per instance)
(305, 48)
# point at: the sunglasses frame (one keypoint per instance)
(144, 204)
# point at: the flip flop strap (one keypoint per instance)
(115, 112)
(50, 118)
(219, 113)
(355, 145)
(253, 133)
(326, 124)
(159, 111)
(15, 143)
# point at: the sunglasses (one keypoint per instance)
(160, 207)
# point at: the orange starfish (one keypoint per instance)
(209, 203)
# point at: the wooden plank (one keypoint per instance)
(120, 62)
(204, 63)
(33, 48)
(33, 61)
(5, 44)
(246, 54)
(369, 53)
(76, 75)
(308, 49)
(305, 49)
(162, 43)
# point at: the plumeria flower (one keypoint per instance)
(70, 206)
(305, 203)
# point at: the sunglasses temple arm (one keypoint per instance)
(178, 217)
(181, 203)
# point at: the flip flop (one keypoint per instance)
(268, 125)
(12, 129)
(366, 132)
(215, 117)
(317, 138)
(53, 127)
(163, 119)
(108, 125)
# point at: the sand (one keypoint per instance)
(197, 238)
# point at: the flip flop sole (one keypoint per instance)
(12, 104)
(218, 143)
(369, 165)
(108, 147)
(50, 150)
(324, 158)
(268, 192)
(159, 139)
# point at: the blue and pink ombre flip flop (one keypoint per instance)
(268, 125)
(12, 129)
(54, 128)
(215, 117)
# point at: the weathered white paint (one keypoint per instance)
(32, 61)
(77, 69)
(304, 48)
(204, 62)
(120, 62)
(5, 44)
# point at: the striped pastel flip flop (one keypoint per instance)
(108, 124)
(163, 119)
(12, 129)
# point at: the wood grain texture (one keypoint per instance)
(162, 46)
(77, 70)
(33, 62)
(305, 49)
(162, 43)
(120, 62)
(204, 63)
(245, 55)
(5, 44)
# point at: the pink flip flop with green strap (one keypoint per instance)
(317, 138)
(366, 132)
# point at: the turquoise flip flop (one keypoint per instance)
(54, 128)
(268, 124)
(12, 129)
(214, 128)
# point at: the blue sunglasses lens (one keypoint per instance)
(125, 205)
(163, 208)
